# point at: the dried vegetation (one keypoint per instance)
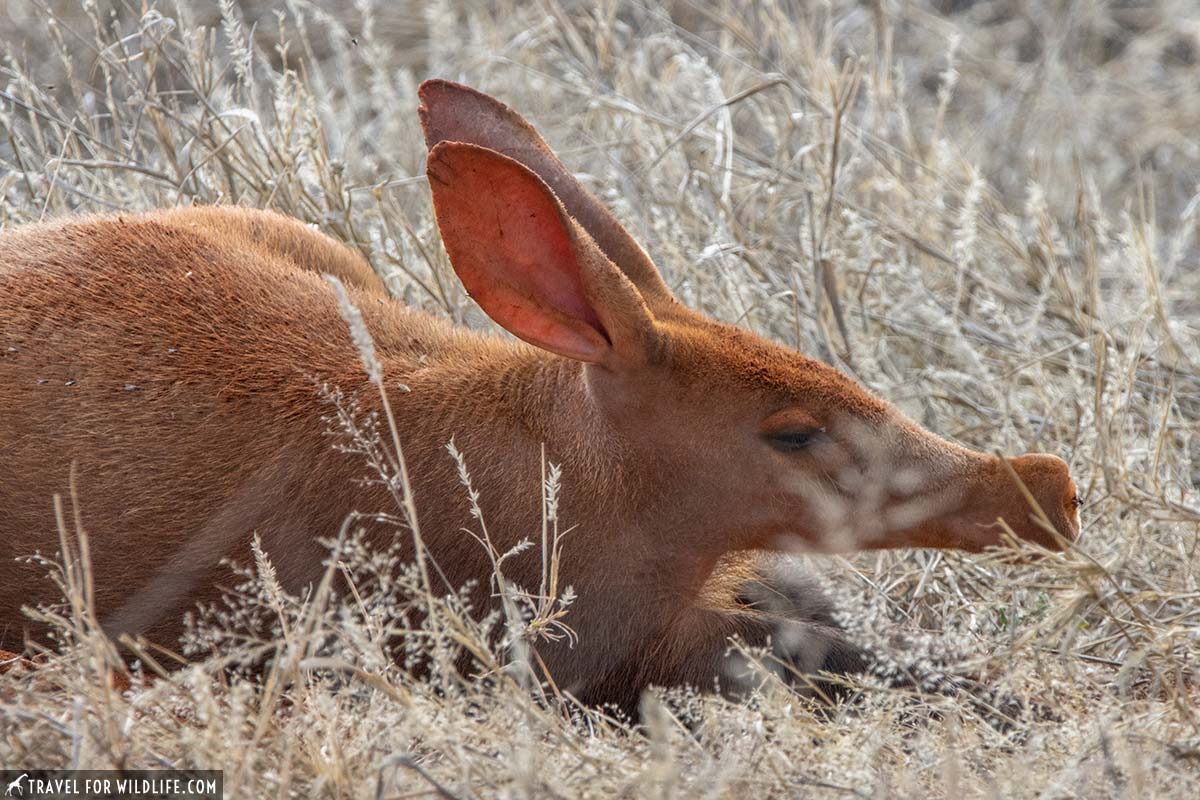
(986, 210)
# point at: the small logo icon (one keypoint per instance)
(16, 785)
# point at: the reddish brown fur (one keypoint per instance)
(174, 357)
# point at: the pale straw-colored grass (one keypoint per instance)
(985, 211)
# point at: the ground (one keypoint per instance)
(984, 210)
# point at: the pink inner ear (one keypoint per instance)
(511, 244)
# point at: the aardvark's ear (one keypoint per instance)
(528, 264)
(451, 112)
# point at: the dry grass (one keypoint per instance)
(986, 211)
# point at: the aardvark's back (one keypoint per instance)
(134, 347)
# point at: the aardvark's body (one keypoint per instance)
(175, 359)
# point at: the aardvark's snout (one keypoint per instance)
(1033, 495)
(1048, 480)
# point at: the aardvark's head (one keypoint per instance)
(751, 441)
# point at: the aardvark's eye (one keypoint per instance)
(793, 441)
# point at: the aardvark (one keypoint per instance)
(173, 357)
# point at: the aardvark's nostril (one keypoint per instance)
(1071, 507)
